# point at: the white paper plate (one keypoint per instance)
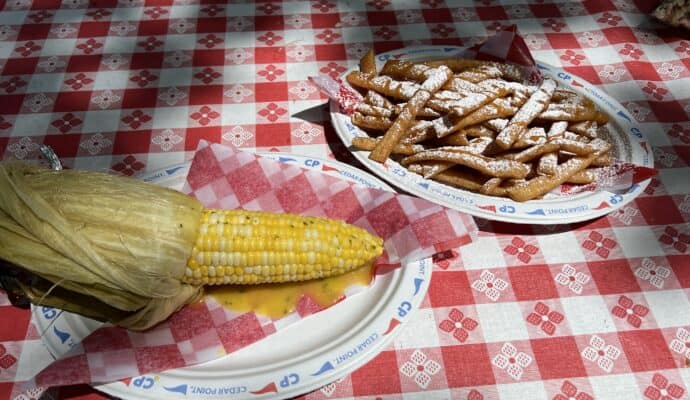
(300, 358)
(581, 207)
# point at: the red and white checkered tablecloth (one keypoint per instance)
(592, 310)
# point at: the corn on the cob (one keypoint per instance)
(249, 247)
(145, 251)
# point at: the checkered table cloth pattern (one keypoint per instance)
(592, 310)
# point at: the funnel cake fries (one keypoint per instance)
(478, 126)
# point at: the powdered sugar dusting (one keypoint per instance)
(557, 129)
(448, 95)
(471, 102)
(536, 103)
(615, 178)
(436, 78)
(403, 89)
(496, 124)
(373, 110)
(442, 126)
(586, 128)
(547, 163)
(476, 146)
(498, 168)
(376, 99)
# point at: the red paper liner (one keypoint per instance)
(224, 177)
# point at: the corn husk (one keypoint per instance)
(117, 240)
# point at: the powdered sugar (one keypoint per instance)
(498, 168)
(460, 85)
(547, 163)
(402, 89)
(376, 99)
(442, 126)
(557, 129)
(436, 78)
(586, 128)
(448, 95)
(496, 124)
(471, 102)
(476, 146)
(536, 103)
(373, 110)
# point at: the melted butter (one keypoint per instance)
(280, 299)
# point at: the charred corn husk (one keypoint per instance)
(146, 250)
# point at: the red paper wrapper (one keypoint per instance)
(223, 177)
(508, 46)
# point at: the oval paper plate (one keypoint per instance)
(300, 358)
(632, 145)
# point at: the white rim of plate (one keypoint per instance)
(577, 208)
(404, 291)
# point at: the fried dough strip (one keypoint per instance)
(455, 177)
(454, 139)
(371, 122)
(530, 137)
(572, 113)
(508, 71)
(527, 113)
(585, 128)
(496, 124)
(478, 131)
(459, 85)
(578, 148)
(375, 99)
(488, 166)
(533, 152)
(603, 161)
(499, 108)
(384, 85)
(548, 163)
(368, 143)
(557, 129)
(492, 187)
(373, 111)
(419, 132)
(457, 64)
(480, 73)
(432, 84)
(426, 112)
(367, 64)
(462, 103)
(582, 178)
(406, 70)
(540, 185)
(429, 170)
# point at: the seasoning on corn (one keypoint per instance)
(142, 251)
